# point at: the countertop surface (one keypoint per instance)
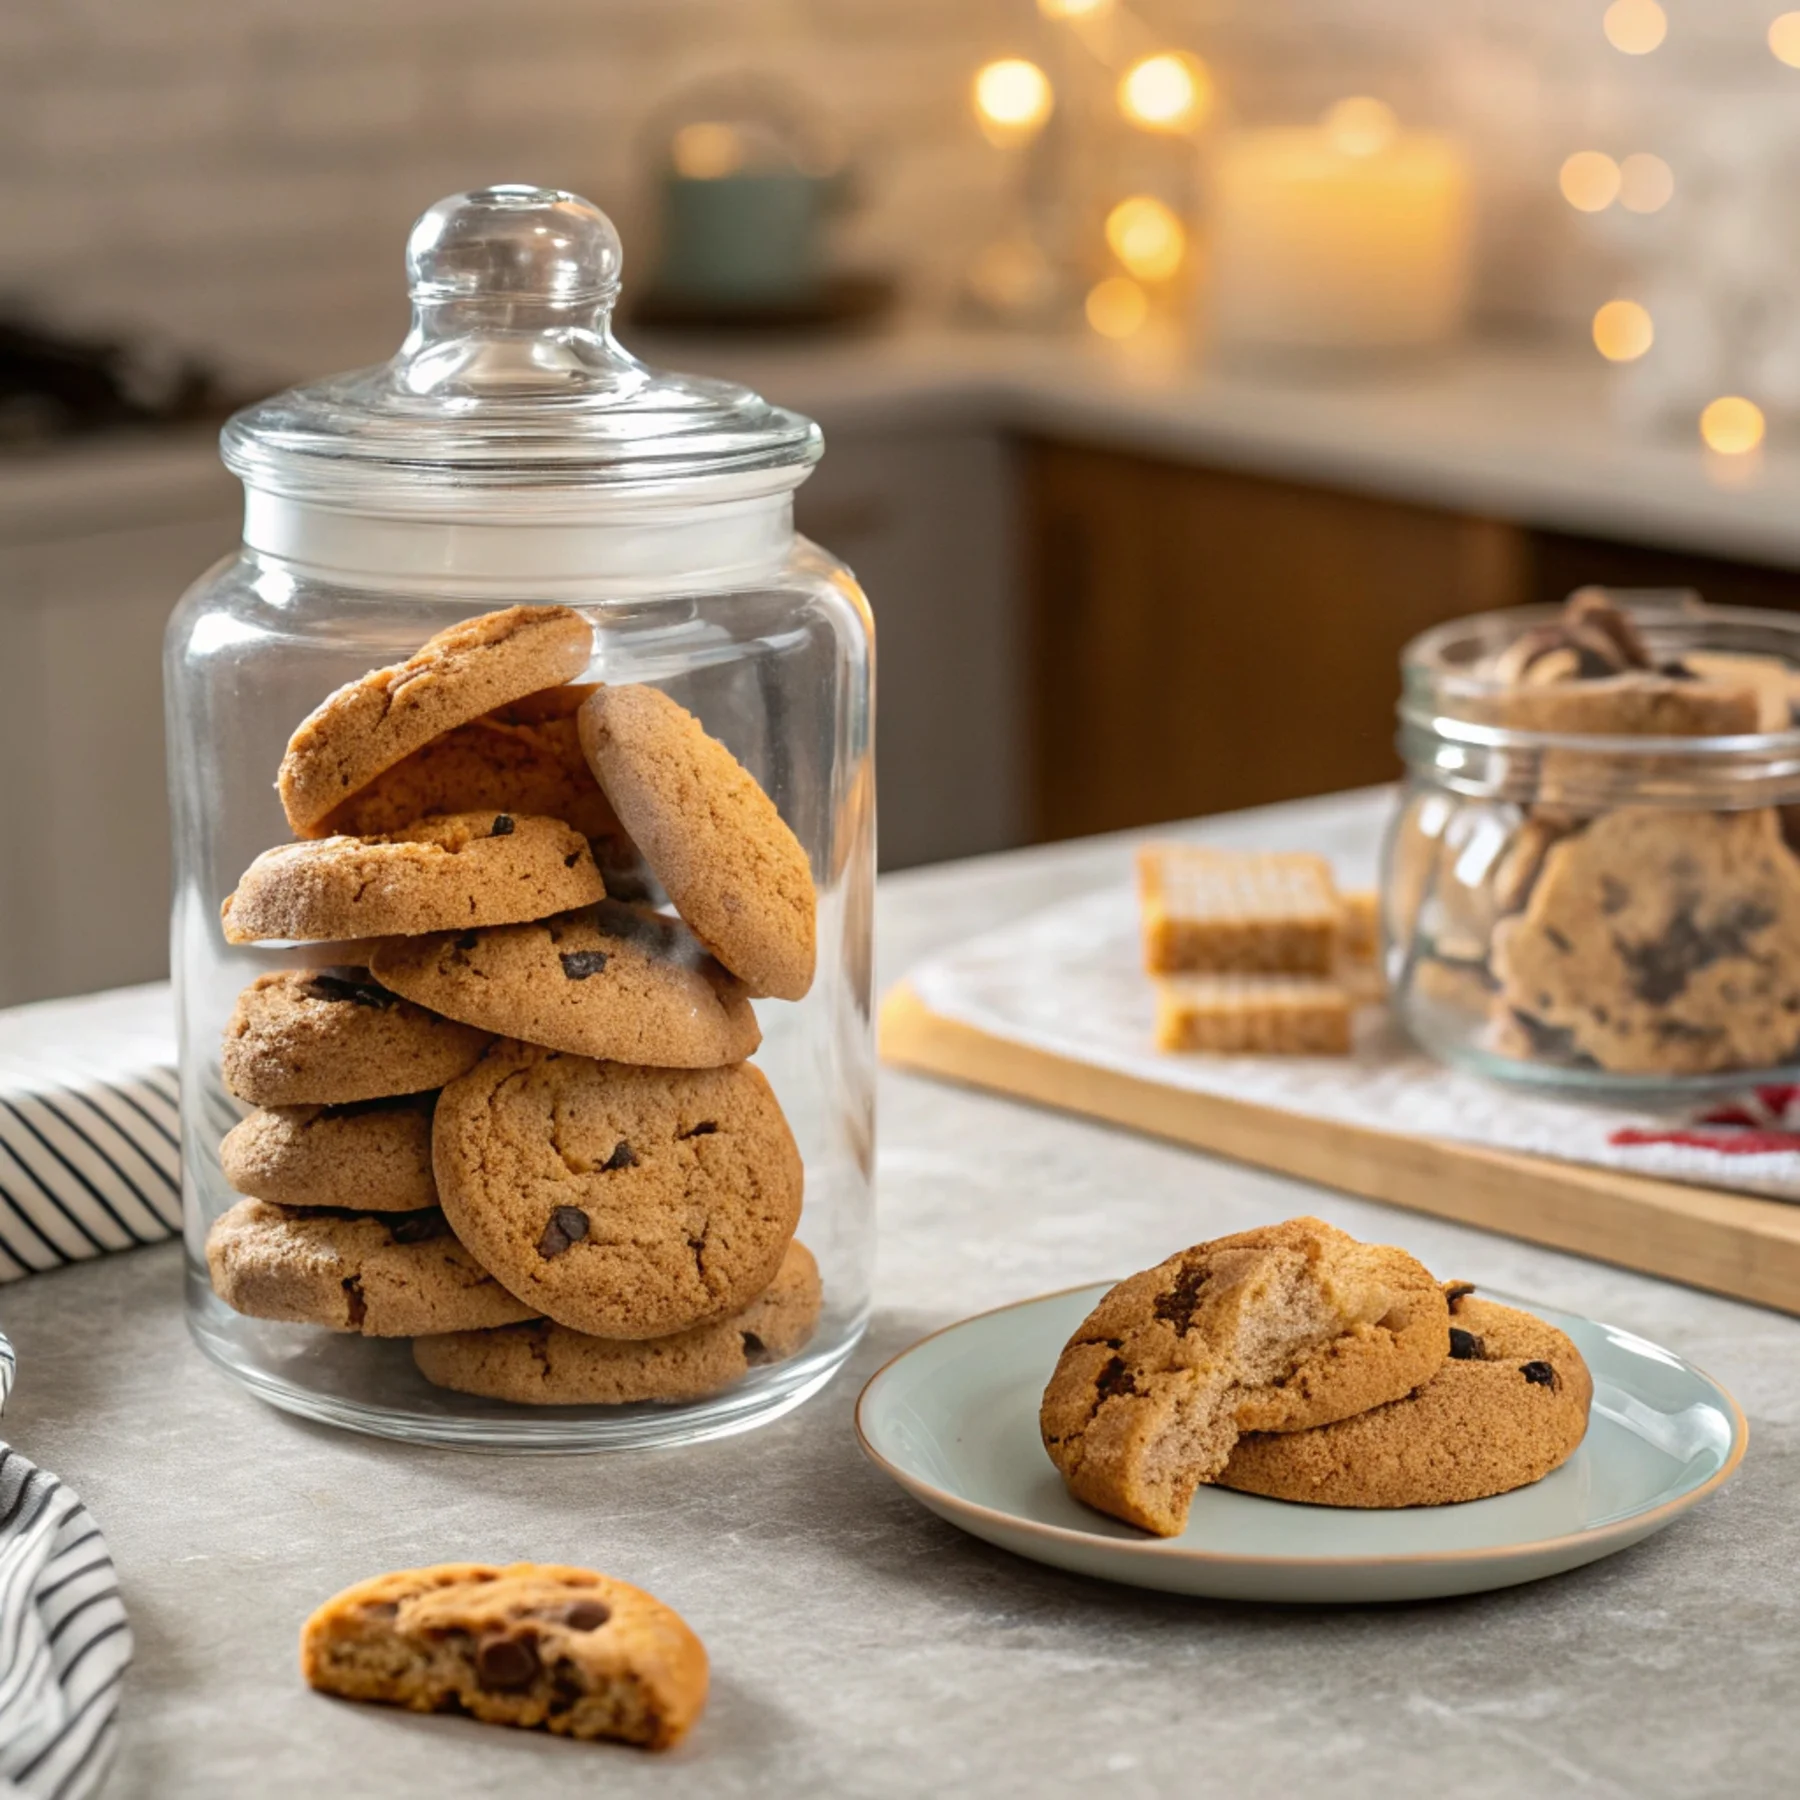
(1520, 431)
(862, 1647)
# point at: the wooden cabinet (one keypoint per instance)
(1202, 640)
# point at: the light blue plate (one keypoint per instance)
(954, 1421)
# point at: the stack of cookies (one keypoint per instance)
(1254, 951)
(1624, 910)
(508, 1114)
(1295, 1362)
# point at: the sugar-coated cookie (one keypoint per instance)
(438, 874)
(317, 1037)
(1509, 1405)
(619, 1201)
(542, 1364)
(1278, 1329)
(712, 837)
(609, 981)
(374, 1155)
(530, 1644)
(380, 1274)
(370, 724)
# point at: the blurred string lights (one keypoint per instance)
(1155, 90)
(1731, 425)
(1635, 27)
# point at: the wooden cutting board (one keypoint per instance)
(1736, 1244)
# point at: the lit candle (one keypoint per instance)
(1349, 235)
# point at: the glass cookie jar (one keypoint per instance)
(1593, 879)
(512, 454)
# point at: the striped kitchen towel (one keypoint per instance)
(64, 1639)
(89, 1142)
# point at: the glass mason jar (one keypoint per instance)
(512, 452)
(1591, 882)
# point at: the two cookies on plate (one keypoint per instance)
(510, 1115)
(1294, 1362)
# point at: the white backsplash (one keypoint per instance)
(239, 173)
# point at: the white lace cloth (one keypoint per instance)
(1070, 980)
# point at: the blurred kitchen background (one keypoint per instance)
(1177, 359)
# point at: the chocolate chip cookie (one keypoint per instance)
(374, 1155)
(380, 1274)
(530, 1644)
(1591, 672)
(623, 1202)
(303, 1037)
(549, 1365)
(1662, 941)
(370, 724)
(712, 837)
(1508, 1406)
(610, 981)
(1278, 1329)
(437, 874)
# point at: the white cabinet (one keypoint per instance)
(93, 555)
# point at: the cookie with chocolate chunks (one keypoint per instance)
(1277, 1329)
(1660, 941)
(317, 1037)
(380, 1274)
(1591, 672)
(437, 874)
(610, 981)
(732, 867)
(1508, 1405)
(374, 722)
(530, 1644)
(619, 1201)
(371, 1154)
(542, 1364)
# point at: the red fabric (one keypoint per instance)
(1730, 1140)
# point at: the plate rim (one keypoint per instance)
(1158, 1550)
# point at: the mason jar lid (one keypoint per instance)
(511, 381)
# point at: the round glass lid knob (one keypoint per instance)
(514, 243)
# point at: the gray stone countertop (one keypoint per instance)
(860, 1646)
(1510, 429)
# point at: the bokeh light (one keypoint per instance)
(1074, 9)
(1361, 125)
(1635, 26)
(707, 150)
(1013, 95)
(1646, 183)
(1012, 276)
(1117, 306)
(1170, 91)
(1147, 237)
(1732, 425)
(1623, 331)
(1590, 181)
(1784, 39)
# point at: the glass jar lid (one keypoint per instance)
(510, 380)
